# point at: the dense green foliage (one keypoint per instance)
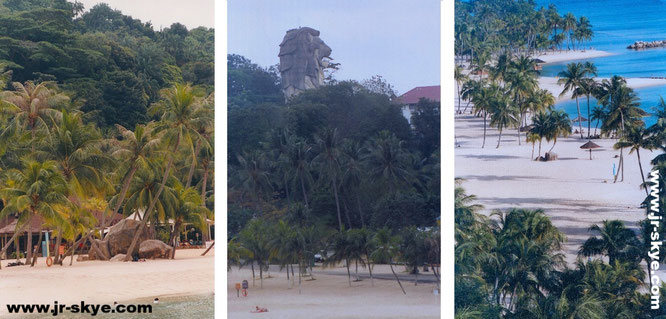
(485, 28)
(114, 129)
(110, 64)
(326, 170)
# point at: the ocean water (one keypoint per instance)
(617, 24)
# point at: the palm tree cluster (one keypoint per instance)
(510, 265)
(58, 167)
(509, 95)
(488, 28)
(293, 240)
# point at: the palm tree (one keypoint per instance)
(36, 190)
(533, 138)
(187, 210)
(482, 98)
(522, 82)
(31, 106)
(589, 87)
(598, 114)
(569, 25)
(180, 114)
(635, 138)
(460, 78)
(616, 241)
(298, 155)
(329, 161)
(386, 249)
(502, 115)
(470, 88)
(353, 171)
(386, 160)
(133, 150)
(573, 79)
(254, 237)
(623, 108)
(560, 125)
(542, 128)
(202, 139)
(75, 146)
(343, 250)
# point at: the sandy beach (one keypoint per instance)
(574, 191)
(329, 296)
(561, 56)
(106, 282)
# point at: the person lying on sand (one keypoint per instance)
(259, 309)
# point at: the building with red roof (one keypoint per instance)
(412, 97)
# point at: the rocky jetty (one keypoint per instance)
(647, 45)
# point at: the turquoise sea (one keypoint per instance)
(616, 24)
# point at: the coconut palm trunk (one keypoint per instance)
(485, 115)
(500, 136)
(337, 202)
(28, 244)
(372, 280)
(396, 278)
(580, 123)
(150, 210)
(203, 185)
(640, 167)
(589, 120)
(208, 249)
(348, 272)
(305, 194)
(197, 148)
(36, 250)
(360, 211)
(56, 250)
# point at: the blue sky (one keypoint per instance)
(397, 39)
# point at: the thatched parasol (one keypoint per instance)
(526, 128)
(589, 146)
(579, 119)
(539, 61)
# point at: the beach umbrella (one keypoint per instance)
(579, 119)
(589, 146)
(526, 128)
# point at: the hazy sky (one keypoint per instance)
(397, 39)
(191, 13)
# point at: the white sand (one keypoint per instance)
(561, 56)
(329, 296)
(105, 282)
(575, 192)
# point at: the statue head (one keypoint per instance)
(302, 55)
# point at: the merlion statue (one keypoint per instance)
(302, 61)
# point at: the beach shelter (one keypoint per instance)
(579, 119)
(589, 146)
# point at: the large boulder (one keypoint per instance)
(118, 240)
(151, 249)
(119, 257)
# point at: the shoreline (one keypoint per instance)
(329, 296)
(104, 282)
(570, 55)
